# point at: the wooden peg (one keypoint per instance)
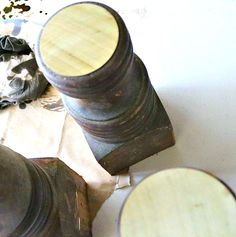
(85, 51)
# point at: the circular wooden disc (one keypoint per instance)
(79, 39)
(179, 203)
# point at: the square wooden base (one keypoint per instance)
(114, 157)
(71, 196)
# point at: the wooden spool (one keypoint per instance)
(181, 203)
(41, 198)
(85, 51)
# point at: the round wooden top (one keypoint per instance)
(79, 39)
(180, 203)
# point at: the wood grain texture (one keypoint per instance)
(181, 203)
(79, 39)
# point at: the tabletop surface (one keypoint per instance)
(189, 49)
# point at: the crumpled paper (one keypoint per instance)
(21, 80)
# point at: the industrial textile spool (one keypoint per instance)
(181, 203)
(34, 198)
(85, 51)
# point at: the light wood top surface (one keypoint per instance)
(179, 203)
(79, 39)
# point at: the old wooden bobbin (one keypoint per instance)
(85, 51)
(41, 198)
(179, 202)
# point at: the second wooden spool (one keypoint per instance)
(179, 203)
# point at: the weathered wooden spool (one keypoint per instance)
(41, 198)
(179, 202)
(85, 51)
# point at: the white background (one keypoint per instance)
(189, 49)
